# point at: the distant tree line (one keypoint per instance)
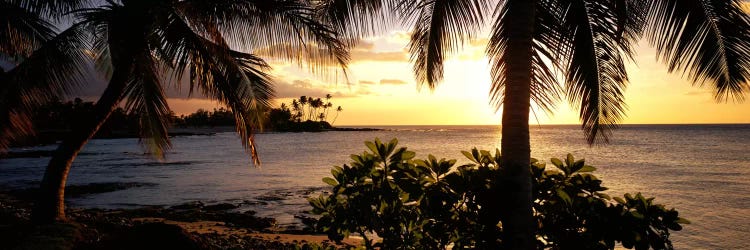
(303, 114)
(56, 118)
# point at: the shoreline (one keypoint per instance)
(187, 226)
(50, 137)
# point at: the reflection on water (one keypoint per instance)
(700, 170)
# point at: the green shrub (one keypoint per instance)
(433, 204)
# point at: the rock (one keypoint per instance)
(276, 197)
(188, 206)
(220, 207)
(246, 220)
(154, 236)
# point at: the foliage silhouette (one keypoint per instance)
(434, 204)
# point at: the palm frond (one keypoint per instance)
(595, 73)
(280, 29)
(145, 97)
(239, 81)
(547, 41)
(235, 79)
(51, 72)
(52, 8)
(22, 31)
(706, 39)
(441, 27)
(355, 19)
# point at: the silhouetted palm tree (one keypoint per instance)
(587, 40)
(315, 105)
(338, 110)
(296, 109)
(327, 104)
(303, 101)
(138, 44)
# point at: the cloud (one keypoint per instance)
(366, 51)
(698, 93)
(392, 81)
(366, 82)
(299, 88)
(387, 56)
(365, 45)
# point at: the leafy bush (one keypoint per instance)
(433, 204)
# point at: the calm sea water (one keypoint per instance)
(702, 170)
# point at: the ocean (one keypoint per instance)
(701, 170)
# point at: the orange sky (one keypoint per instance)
(382, 91)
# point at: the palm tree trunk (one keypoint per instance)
(50, 205)
(334, 119)
(516, 211)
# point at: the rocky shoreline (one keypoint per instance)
(187, 226)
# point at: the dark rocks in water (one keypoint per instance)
(276, 197)
(77, 191)
(189, 205)
(93, 229)
(154, 236)
(254, 203)
(197, 205)
(246, 220)
(195, 211)
(309, 223)
(220, 207)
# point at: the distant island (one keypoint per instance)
(305, 114)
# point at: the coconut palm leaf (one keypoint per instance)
(23, 30)
(707, 39)
(595, 71)
(279, 29)
(440, 27)
(353, 19)
(145, 97)
(233, 78)
(51, 8)
(237, 80)
(52, 71)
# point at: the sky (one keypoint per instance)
(381, 90)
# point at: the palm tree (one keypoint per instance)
(303, 101)
(138, 44)
(296, 109)
(327, 104)
(588, 41)
(315, 105)
(338, 110)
